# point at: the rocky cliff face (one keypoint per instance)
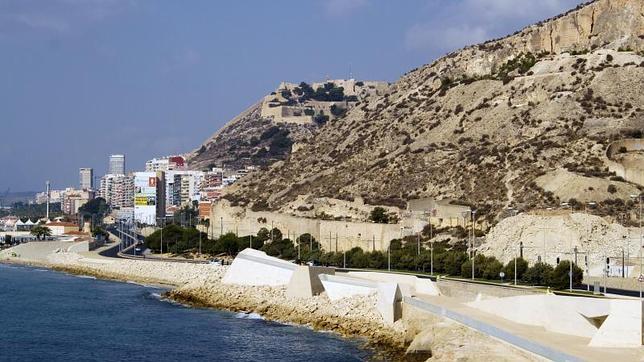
(482, 124)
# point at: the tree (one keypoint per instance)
(41, 232)
(453, 262)
(228, 244)
(379, 215)
(96, 208)
(538, 274)
(561, 278)
(492, 268)
(522, 267)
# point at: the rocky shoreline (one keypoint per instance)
(354, 317)
(417, 336)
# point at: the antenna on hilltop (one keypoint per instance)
(350, 73)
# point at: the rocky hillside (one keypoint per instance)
(481, 125)
(268, 130)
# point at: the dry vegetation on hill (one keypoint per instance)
(482, 124)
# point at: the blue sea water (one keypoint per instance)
(52, 316)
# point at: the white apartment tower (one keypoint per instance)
(117, 165)
(86, 178)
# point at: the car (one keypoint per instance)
(215, 262)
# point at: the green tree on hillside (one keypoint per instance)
(379, 215)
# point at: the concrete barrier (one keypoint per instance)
(409, 285)
(305, 281)
(338, 287)
(254, 267)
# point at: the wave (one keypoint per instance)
(86, 276)
(248, 316)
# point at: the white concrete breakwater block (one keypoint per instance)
(254, 267)
(410, 285)
(389, 303)
(305, 281)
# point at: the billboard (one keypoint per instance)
(145, 197)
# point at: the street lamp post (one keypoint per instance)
(567, 205)
(639, 197)
(431, 260)
(472, 213)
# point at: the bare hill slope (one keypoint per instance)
(482, 124)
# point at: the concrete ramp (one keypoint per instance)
(554, 313)
(623, 326)
(614, 323)
(254, 267)
(305, 281)
(410, 285)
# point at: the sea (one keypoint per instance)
(53, 316)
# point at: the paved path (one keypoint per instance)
(566, 347)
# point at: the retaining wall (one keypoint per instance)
(332, 235)
(471, 291)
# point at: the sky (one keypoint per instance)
(83, 79)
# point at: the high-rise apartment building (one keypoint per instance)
(117, 165)
(74, 199)
(165, 164)
(86, 178)
(117, 190)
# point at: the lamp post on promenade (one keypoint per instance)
(640, 278)
(567, 205)
(472, 215)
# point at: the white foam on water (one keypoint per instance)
(248, 316)
(86, 276)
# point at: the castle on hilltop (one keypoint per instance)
(318, 102)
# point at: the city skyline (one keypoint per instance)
(105, 84)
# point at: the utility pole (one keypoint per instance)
(221, 226)
(47, 195)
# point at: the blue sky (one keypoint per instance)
(81, 79)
